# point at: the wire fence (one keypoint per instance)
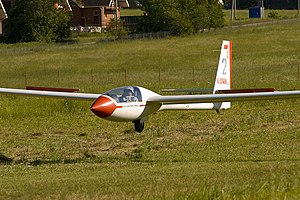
(110, 78)
(156, 78)
(151, 35)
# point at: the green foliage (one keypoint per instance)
(2, 38)
(215, 14)
(60, 25)
(274, 15)
(181, 16)
(37, 20)
(116, 28)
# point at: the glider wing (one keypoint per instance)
(64, 95)
(214, 98)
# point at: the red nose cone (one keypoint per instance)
(103, 107)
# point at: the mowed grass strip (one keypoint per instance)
(53, 148)
(215, 180)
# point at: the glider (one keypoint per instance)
(135, 104)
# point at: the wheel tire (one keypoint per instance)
(139, 126)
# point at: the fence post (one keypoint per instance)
(92, 76)
(25, 76)
(298, 73)
(193, 74)
(125, 76)
(58, 75)
(262, 73)
(159, 76)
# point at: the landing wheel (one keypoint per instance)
(139, 126)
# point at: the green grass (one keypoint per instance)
(51, 148)
(158, 181)
(242, 16)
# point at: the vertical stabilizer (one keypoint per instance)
(223, 77)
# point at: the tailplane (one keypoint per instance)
(223, 77)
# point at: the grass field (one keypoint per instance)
(57, 149)
(242, 16)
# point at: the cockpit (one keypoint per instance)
(125, 94)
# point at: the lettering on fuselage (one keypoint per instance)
(131, 106)
(222, 81)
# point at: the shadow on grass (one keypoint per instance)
(4, 160)
(68, 42)
(85, 158)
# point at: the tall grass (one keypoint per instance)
(53, 148)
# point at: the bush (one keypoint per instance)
(2, 39)
(274, 14)
(36, 20)
(181, 16)
(111, 28)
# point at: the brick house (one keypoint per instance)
(3, 16)
(85, 12)
(95, 12)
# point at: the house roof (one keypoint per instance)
(63, 4)
(3, 14)
(134, 3)
(97, 3)
(68, 6)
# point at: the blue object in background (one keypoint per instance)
(256, 12)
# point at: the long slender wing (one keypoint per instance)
(211, 98)
(64, 95)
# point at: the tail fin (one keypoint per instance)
(223, 77)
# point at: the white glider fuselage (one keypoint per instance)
(117, 105)
(114, 106)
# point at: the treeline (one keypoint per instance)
(36, 20)
(39, 20)
(180, 17)
(269, 4)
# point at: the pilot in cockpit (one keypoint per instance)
(128, 95)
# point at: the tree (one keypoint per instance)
(181, 16)
(60, 25)
(37, 20)
(215, 13)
